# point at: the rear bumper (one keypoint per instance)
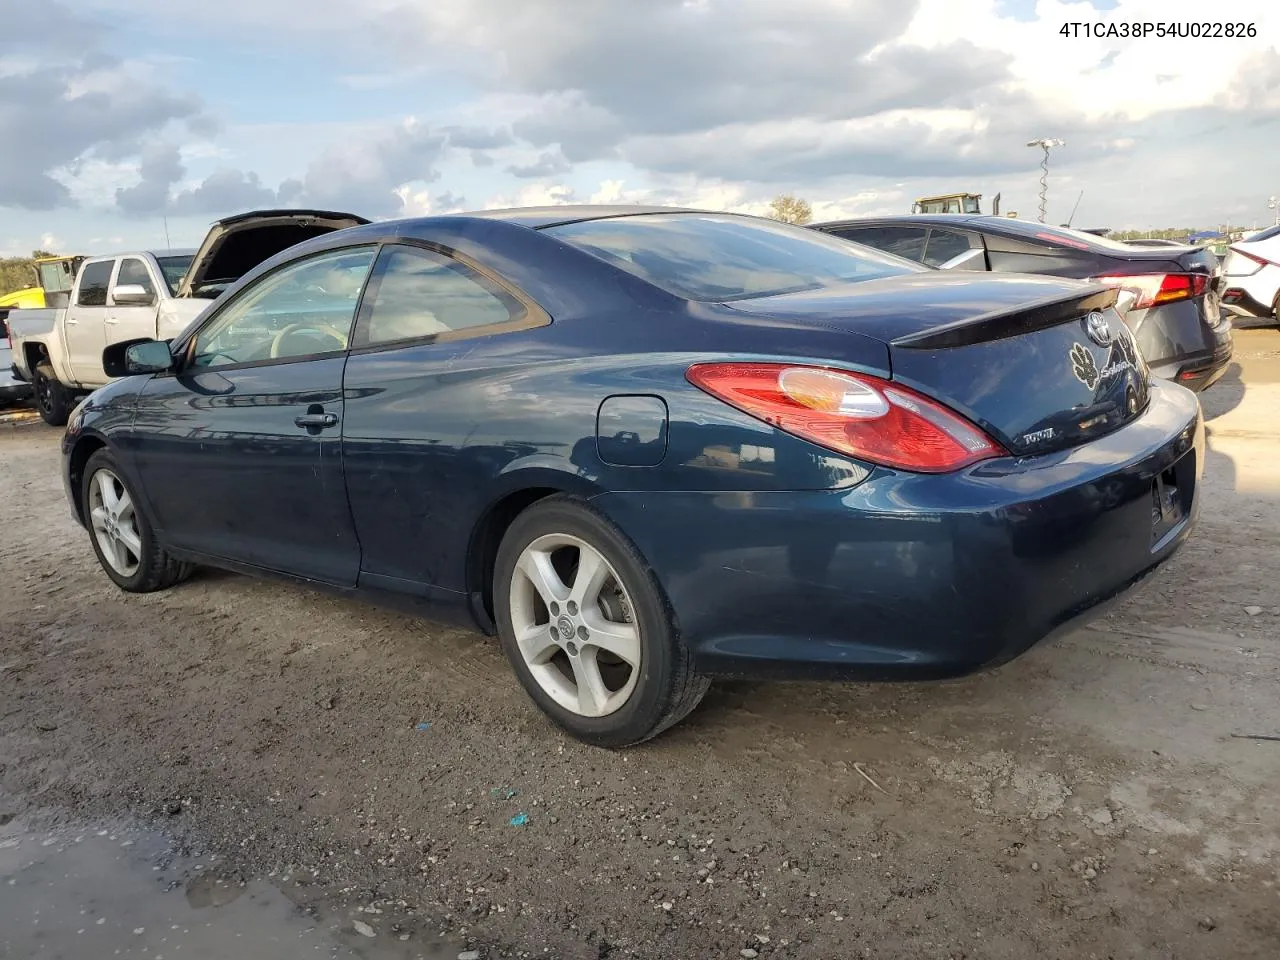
(918, 577)
(1202, 371)
(1188, 342)
(1243, 303)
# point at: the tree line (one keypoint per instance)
(19, 273)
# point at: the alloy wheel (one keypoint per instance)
(575, 625)
(115, 523)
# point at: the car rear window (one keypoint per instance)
(722, 257)
(1065, 236)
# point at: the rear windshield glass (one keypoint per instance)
(1266, 234)
(1063, 235)
(720, 257)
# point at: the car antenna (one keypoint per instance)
(1074, 209)
(167, 245)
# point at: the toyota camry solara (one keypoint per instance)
(648, 448)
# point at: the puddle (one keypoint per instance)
(102, 891)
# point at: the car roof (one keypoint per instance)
(1009, 226)
(555, 215)
(158, 254)
(924, 219)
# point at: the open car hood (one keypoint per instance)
(236, 245)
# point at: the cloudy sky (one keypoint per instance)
(115, 114)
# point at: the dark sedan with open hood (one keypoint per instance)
(650, 447)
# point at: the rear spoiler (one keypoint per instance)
(1001, 324)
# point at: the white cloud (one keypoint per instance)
(1145, 76)
(857, 105)
(534, 195)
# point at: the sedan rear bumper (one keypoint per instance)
(915, 577)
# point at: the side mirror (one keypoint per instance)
(971, 259)
(132, 295)
(131, 357)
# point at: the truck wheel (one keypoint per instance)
(53, 400)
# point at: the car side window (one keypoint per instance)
(301, 310)
(418, 294)
(134, 271)
(907, 242)
(944, 245)
(95, 278)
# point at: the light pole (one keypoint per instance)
(1273, 203)
(1045, 143)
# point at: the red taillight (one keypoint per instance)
(1150, 289)
(852, 413)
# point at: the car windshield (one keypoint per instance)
(174, 269)
(721, 257)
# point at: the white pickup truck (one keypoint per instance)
(141, 294)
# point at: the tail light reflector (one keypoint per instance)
(852, 413)
(1151, 289)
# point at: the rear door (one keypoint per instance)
(132, 321)
(84, 327)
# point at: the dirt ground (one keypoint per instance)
(1103, 796)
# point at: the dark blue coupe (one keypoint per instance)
(650, 447)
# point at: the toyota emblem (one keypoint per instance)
(1099, 329)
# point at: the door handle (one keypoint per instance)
(113, 320)
(312, 421)
(71, 322)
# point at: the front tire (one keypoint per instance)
(121, 534)
(587, 629)
(53, 400)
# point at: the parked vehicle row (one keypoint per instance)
(1251, 276)
(648, 447)
(58, 350)
(1168, 298)
(12, 389)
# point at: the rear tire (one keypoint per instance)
(566, 655)
(121, 534)
(53, 400)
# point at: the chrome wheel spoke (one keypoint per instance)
(590, 578)
(130, 539)
(98, 517)
(536, 565)
(593, 695)
(107, 491)
(536, 644)
(620, 639)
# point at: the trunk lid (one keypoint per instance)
(1153, 260)
(236, 245)
(1040, 363)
